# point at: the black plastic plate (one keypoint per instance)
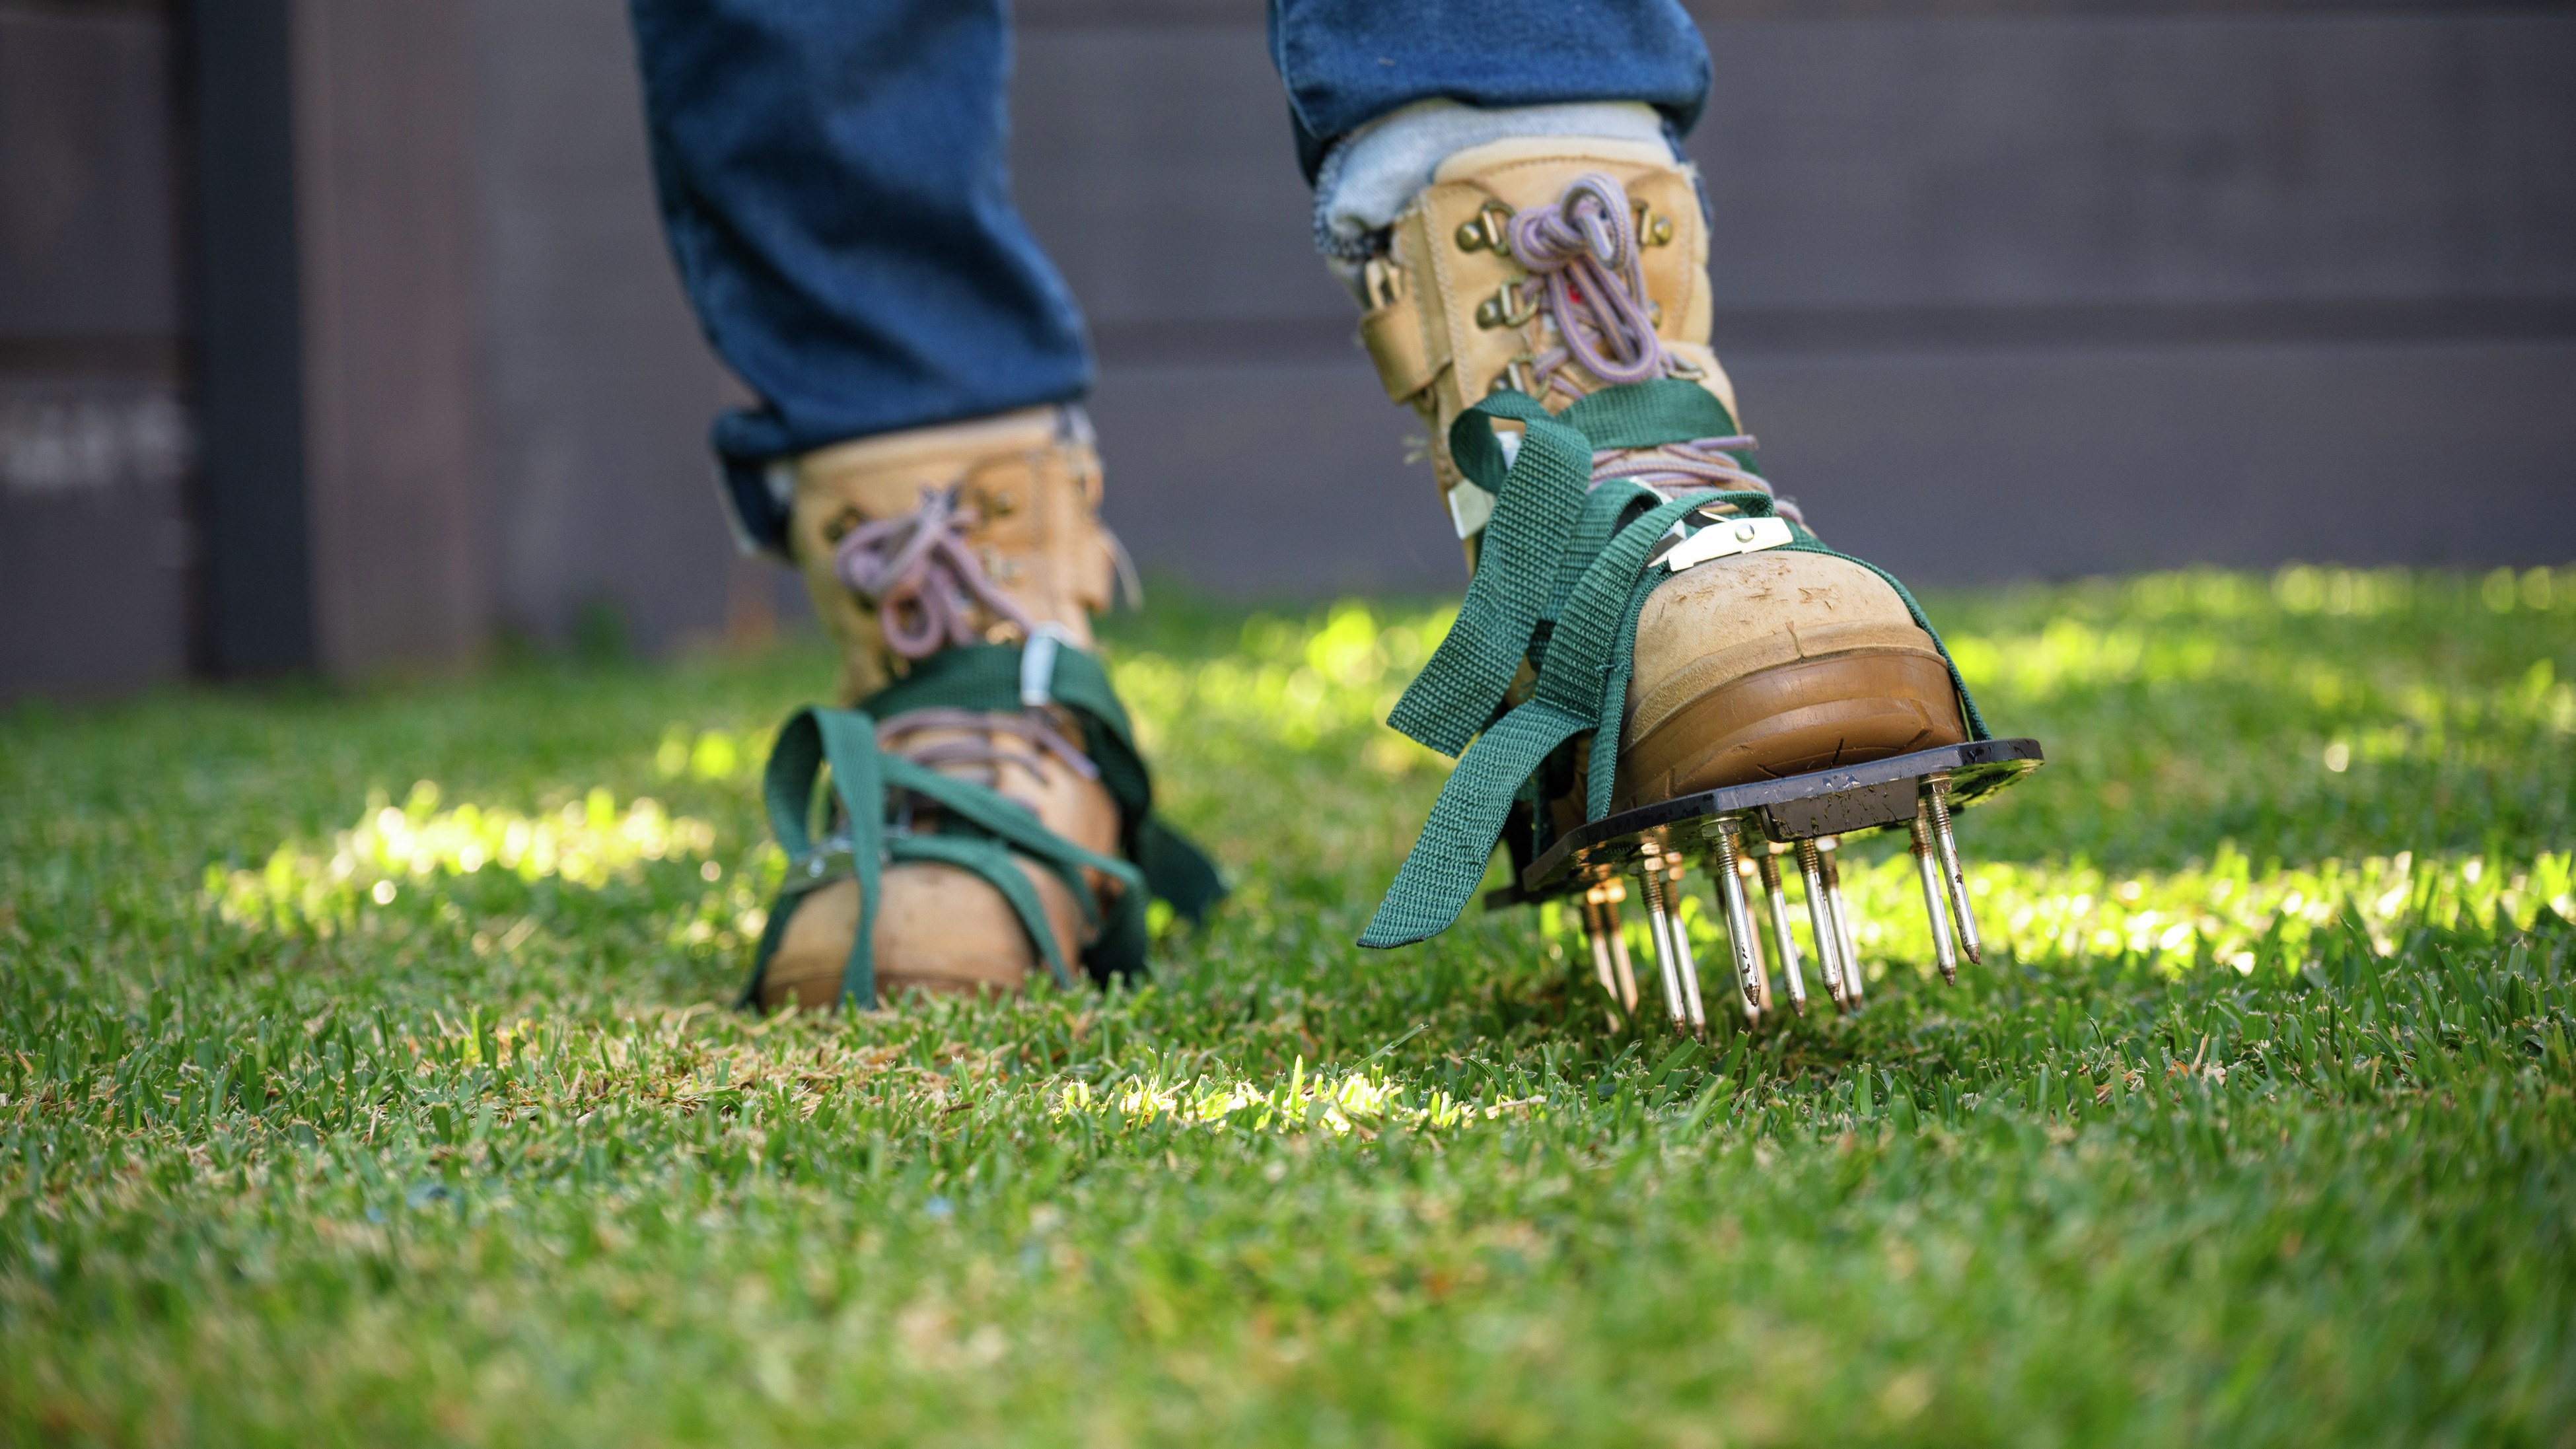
(1844, 800)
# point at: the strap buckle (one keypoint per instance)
(1727, 538)
(1037, 664)
(817, 869)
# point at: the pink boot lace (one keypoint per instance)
(1582, 252)
(919, 572)
(923, 577)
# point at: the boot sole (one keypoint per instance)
(1809, 714)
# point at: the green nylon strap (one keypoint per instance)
(850, 747)
(1611, 507)
(1457, 690)
(1018, 827)
(986, 677)
(1447, 861)
(1648, 415)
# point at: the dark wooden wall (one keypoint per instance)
(95, 438)
(341, 337)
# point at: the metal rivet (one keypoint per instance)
(1744, 533)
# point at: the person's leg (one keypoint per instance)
(833, 186)
(1505, 194)
(832, 181)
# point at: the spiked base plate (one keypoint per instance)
(1844, 800)
(1743, 836)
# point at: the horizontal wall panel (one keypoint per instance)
(1944, 467)
(2062, 162)
(2048, 162)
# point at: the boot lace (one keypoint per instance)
(926, 582)
(973, 748)
(924, 579)
(1582, 252)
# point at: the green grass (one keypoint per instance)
(366, 1076)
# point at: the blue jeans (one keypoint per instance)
(832, 180)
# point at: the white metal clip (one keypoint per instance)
(1037, 664)
(1726, 538)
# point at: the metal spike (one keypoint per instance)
(1749, 982)
(1780, 936)
(1659, 929)
(1937, 790)
(1927, 865)
(1682, 948)
(1753, 941)
(1599, 937)
(1831, 847)
(1612, 893)
(1820, 923)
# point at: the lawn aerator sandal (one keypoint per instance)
(1743, 770)
(893, 803)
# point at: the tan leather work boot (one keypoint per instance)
(1557, 266)
(919, 541)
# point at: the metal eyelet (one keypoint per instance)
(1506, 308)
(1489, 230)
(1652, 230)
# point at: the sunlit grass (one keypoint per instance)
(366, 1075)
